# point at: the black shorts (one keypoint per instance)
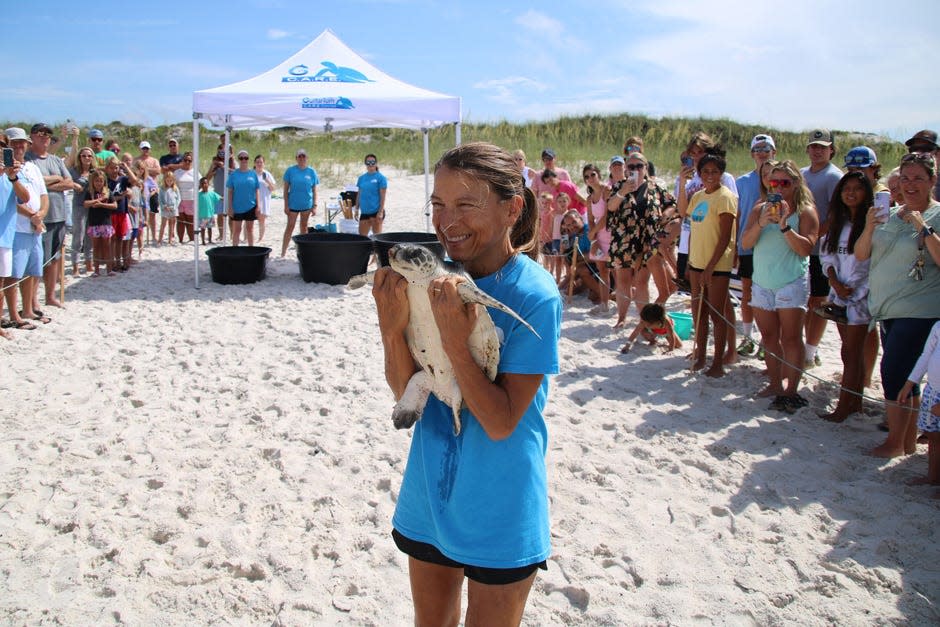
(154, 204)
(489, 576)
(245, 216)
(726, 273)
(745, 266)
(52, 240)
(818, 282)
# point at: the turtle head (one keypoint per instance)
(412, 259)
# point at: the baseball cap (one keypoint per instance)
(762, 138)
(95, 134)
(301, 152)
(860, 157)
(144, 144)
(616, 159)
(923, 138)
(821, 136)
(15, 133)
(548, 152)
(40, 127)
(173, 140)
(242, 152)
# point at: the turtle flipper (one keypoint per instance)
(472, 294)
(410, 406)
(360, 279)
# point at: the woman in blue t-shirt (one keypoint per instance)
(475, 504)
(370, 201)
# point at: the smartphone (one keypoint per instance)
(634, 177)
(774, 197)
(883, 204)
(8, 157)
(687, 162)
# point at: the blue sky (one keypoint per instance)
(861, 65)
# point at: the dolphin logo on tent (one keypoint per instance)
(329, 73)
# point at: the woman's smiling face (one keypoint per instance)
(471, 220)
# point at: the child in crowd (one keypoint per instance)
(100, 206)
(546, 202)
(848, 286)
(929, 419)
(135, 212)
(169, 207)
(207, 202)
(562, 201)
(653, 324)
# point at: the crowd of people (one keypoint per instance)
(808, 245)
(108, 202)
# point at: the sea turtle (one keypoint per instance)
(419, 266)
(343, 74)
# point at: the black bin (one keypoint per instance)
(332, 258)
(233, 265)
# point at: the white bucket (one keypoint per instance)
(349, 226)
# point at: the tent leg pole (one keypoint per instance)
(427, 182)
(196, 198)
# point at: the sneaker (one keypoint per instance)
(746, 347)
(760, 353)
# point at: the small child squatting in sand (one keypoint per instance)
(654, 323)
(928, 420)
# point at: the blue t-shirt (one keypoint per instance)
(302, 182)
(7, 212)
(243, 186)
(748, 194)
(369, 186)
(479, 501)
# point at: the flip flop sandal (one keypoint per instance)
(27, 326)
(6, 324)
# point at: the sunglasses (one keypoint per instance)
(97, 139)
(370, 162)
(917, 157)
(781, 183)
(633, 167)
(632, 148)
(190, 160)
(42, 134)
(858, 161)
(765, 149)
(590, 175)
(243, 158)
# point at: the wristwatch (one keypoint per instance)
(927, 231)
(786, 228)
(14, 179)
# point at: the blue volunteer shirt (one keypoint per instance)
(302, 182)
(243, 186)
(479, 501)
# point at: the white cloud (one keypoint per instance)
(274, 33)
(507, 90)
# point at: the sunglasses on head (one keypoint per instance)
(631, 148)
(917, 157)
(858, 161)
(780, 182)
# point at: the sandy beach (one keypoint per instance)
(226, 455)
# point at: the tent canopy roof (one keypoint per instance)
(325, 86)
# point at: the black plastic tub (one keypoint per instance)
(232, 265)
(332, 258)
(385, 241)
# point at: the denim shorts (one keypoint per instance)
(793, 295)
(27, 255)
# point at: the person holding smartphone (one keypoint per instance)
(12, 192)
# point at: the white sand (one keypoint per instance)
(226, 456)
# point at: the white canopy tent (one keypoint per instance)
(326, 86)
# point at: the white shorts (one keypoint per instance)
(6, 262)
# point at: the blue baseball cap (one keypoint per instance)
(617, 159)
(860, 157)
(95, 134)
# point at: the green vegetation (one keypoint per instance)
(576, 140)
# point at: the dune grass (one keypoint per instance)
(576, 141)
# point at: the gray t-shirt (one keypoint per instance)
(51, 165)
(822, 184)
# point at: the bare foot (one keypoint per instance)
(885, 452)
(5, 334)
(698, 365)
(769, 391)
(731, 358)
(835, 416)
(715, 371)
(620, 323)
(54, 302)
(923, 481)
